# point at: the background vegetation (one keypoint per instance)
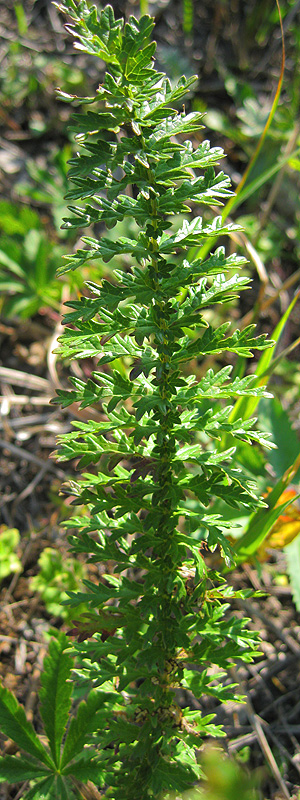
(236, 48)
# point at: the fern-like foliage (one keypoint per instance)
(160, 619)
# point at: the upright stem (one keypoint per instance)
(164, 450)
(164, 639)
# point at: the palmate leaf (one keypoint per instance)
(13, 723)
(136, 35)
(56, 693)
(180, 89)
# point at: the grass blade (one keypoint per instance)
(262, 521)
(292, 552)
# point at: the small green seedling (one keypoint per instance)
(9, 560)
(57, 575)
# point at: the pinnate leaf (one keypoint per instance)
(84, 722)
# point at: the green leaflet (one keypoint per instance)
(175, 775)
(191, 232)
(18, 768)
(214, 341)
(87, 771)
(86, 720)
(13, 723)
(56, 694)
(51, 789)
(44, 790)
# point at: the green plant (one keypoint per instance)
(57, 769)
(17, 220)
(252, 529)
(27, 272)
(9, 561)
(159, 619)
(225, 779)
(56, 575)
(48, 184)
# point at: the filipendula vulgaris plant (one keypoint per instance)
(159, 627)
